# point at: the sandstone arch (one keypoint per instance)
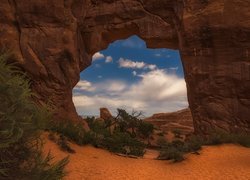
(55, 39)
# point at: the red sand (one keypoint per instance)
(217, 163)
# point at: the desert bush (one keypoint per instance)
(43, 169)
(21, 121)
(98, 127)
(177, 148)
(145, 129)
(72, 130)
(64, 145)
(122, 142)
(221, 137)
(171, 153)
(243, 139)
(162, 142)
(194, 143)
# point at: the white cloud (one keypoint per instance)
(108, 59)
(158, 55)
(97, 56)
(151, 66)
(174, 68)
(133, 43)
(134, 73)
(157, 91)
(84, 85)
(127, 63)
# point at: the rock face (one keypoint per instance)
(105, 114)
(54, 41)
(181, 120)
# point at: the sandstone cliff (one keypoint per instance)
(54, 41)
(167, 122)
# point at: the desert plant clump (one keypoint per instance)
(222, 137)
(176, 149)
(122, 142)
(21, 121)
(171, 153)
(64, 145)
(124, 138)
(72, 130)
(145, 129)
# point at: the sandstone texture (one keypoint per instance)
(105, 114)
(167, 122)
(54, 41)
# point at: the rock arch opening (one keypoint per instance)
(131, 76)
(54, 47)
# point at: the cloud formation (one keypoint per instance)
(97, 56)
(84, 85)
(127, 63)
(108, 59)
(133, 43)
(156, 91)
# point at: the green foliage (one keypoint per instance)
(127, 121)
(162, 142)
(145, 129)
(72, 130)
(171, 153)
(177, 148)
(121, 142)
(21, 120)
(98, 127)
(194, 143)
(221, 137)
(100, 136)
(42, 169)
(64, 145)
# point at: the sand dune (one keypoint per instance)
(218, 162)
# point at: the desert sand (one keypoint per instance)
(215, 162)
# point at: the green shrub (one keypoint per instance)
(243, 139)
(64, 145)
(43, 169)
(162, 142)
(21, 121)
(171, 153)
(121, 142)
(72, 130)
(194, 143)
(221, 137)
(145, 129)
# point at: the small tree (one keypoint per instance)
(145, 129)
(20, 122)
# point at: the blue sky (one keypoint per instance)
(128, 75)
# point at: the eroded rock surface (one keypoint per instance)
(167, 122)
(54, 41)
(105, 114)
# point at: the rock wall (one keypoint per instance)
(54, 41)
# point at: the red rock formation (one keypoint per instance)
(105, 114)
(181, 120)
(55, 39)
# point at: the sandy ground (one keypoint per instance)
(217, 163)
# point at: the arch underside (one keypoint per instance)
(54, 47)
